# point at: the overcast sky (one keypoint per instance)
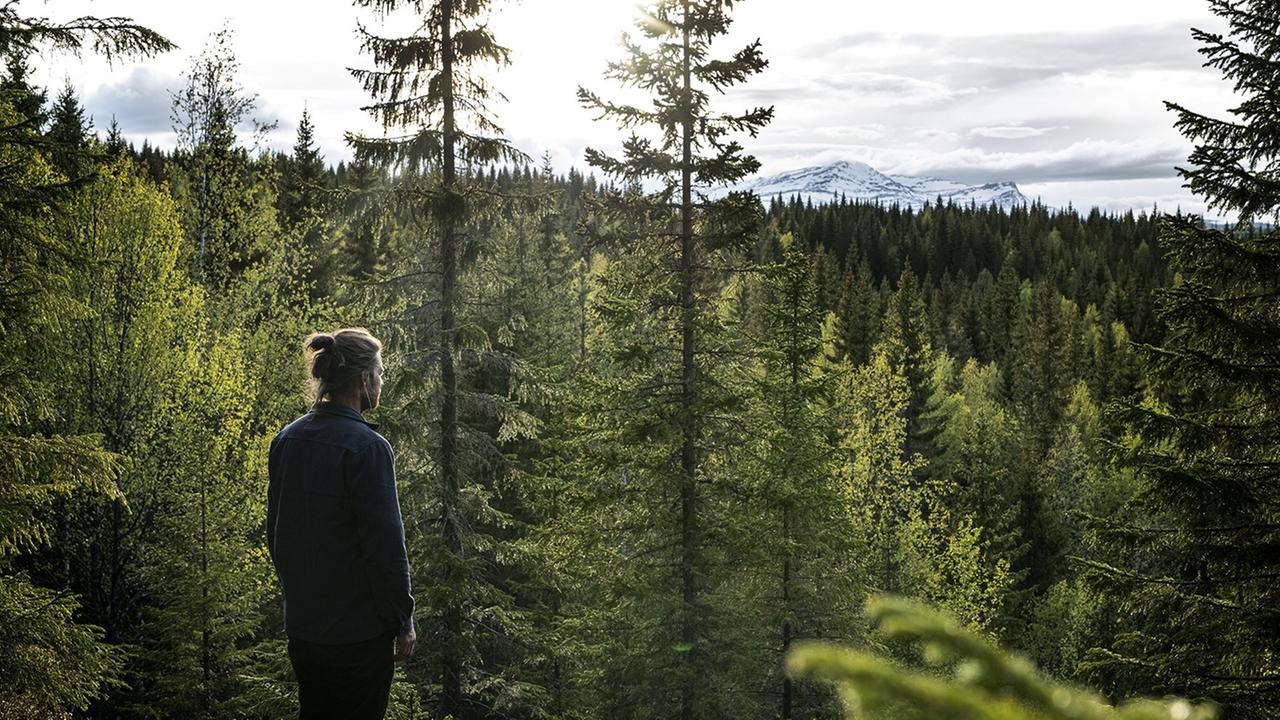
(1063, 98)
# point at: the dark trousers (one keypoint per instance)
(343, 682)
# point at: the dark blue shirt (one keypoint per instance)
(334, 529)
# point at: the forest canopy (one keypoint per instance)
(661, 451)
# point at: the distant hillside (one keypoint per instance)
(859, 181)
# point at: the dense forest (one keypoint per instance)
(658, 455)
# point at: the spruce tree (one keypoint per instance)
(365, 238)
(977, 459)
(1199, 584)
(53, 663)
(910, 537)
(303, 205)
(302, 184)
(431, 99)
(215, 185)
(858, 314)
(905, 343)
(1039, 379)
(808, 546)
(683, 144)
(69, 134)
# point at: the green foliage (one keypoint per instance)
(906, 346)
(111, 37)
(804, 550)
(428, 85)
(858, 314)
(207, 571)
(916, 539)
(976, 440)
(972, 678)
(51, 663)
(1193, 574)
(668, 370)
(462, 394)
(647, 441)
(216, 186)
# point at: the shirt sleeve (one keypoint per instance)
(381, 531)
(273, 496)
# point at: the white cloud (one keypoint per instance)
(937, 135)
(1076, 88)
(1118, 196)
(1010, 132)
(869, 131)
(1085, 159)
(140, 101)
(888, 90)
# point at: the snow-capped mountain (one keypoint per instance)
(859, 181)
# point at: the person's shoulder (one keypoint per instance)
(293, 427)
(372, 441)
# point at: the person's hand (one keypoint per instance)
(404, 645)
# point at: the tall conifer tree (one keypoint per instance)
(431, 99)
(905, 343)
(1201, 591)
(302, 185)
(302, 207)
(806, 537)
(52, 663)
(69, 133)
(683, 144)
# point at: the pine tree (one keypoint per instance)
(53, 663)
(906, 345)
(1199, 590)
(303, 212)
(27, 100)
(1002, 311)
(431, 99)
(115, 139)
(366, 241)
(911, 539)
(683, 144)
(205, 568)
(858, 314)
(1039, 378)
(302, 184)
(69, 135)
(807, 551)
(977, 460)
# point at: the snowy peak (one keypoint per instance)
(831, 180)
(857, 181)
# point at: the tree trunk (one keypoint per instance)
(688, 398)
(786, 608)
(451, 670)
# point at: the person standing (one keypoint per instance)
(336, 538)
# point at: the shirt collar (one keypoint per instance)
(333, 408)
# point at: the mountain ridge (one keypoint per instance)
(858, 181)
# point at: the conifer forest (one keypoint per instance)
(662, 452)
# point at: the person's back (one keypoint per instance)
(331, 529)
(336, 537)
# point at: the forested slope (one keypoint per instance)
(646, 442)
